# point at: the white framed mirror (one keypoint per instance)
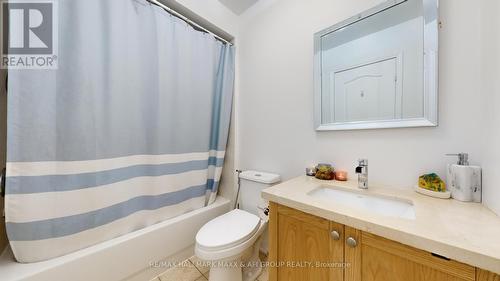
(378, 69)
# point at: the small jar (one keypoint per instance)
(324, 172)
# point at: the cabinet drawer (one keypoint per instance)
(381, 254)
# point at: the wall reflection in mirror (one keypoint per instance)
(378, 69)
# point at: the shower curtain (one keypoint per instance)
(130, 129)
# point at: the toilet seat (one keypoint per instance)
(227, 231)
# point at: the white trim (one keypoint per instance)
(383, 124)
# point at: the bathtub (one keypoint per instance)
(137, 256)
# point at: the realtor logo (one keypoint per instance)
(29, 34)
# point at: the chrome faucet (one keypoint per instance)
(362, 171)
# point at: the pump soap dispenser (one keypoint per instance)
(464, 181)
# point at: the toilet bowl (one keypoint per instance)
(230, 243)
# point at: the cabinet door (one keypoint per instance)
(483, 275)
(374, 258)
(366, 92)
(303, 247)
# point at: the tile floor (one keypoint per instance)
(193, 270)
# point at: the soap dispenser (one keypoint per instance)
(464, 181)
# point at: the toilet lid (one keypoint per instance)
(228, 230)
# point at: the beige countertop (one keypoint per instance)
(466, 232)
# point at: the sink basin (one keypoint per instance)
(380, 205)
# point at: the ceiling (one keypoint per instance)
(238, 6)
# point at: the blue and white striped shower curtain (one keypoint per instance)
(130, 130)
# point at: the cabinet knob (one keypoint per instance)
(335, 235)
(351, 242)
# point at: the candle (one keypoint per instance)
(341, 175)
(310, 171)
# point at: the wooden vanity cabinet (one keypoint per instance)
(298, 241)
(302, 247)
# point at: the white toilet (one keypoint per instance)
(231, 242)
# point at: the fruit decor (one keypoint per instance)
(432, 182)
(325, 172)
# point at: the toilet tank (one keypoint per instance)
(251, 185)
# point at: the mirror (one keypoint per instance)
(378, 69)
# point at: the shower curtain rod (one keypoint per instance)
(186, 19)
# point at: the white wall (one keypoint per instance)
(490, 33)
(276, 130)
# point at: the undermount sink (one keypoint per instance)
(380, 205)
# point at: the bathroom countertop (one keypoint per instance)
(466, 232)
